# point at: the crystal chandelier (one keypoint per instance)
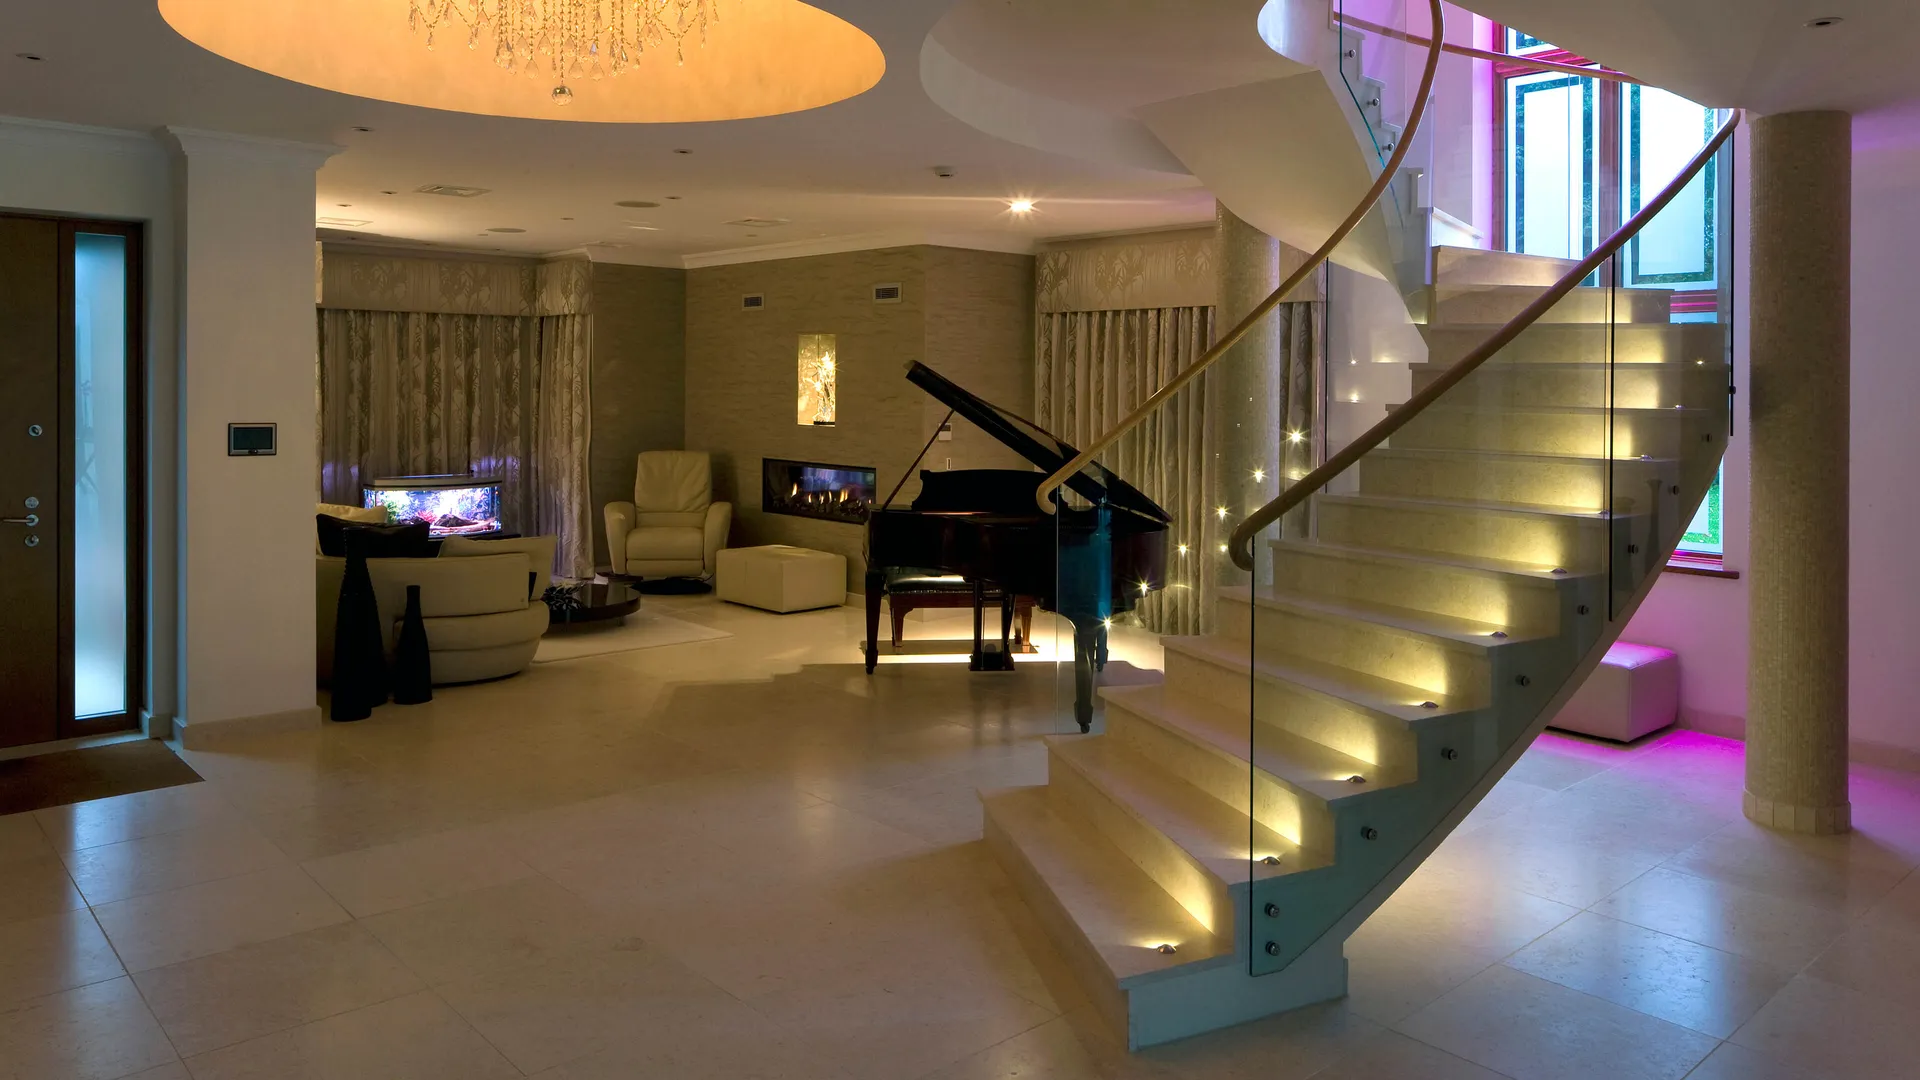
(568, 39)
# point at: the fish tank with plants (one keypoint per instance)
(449, 505)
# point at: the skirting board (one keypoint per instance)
(1859, 751)
(209, 734)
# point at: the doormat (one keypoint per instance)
(98, 772)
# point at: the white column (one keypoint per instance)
(247, 344)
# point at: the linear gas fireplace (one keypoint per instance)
(815, 490)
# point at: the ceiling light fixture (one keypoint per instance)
(581, 39)
(35, 57)
(1021, 206)
(505, 229)
(636, 204)
(1824, 22)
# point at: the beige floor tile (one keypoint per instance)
(1291, 1046)
(170, 860)
(36, 886)
(269, 986)
(1532, 1029)
(373, 880)
(22, 840)
(1681, 982)
(175, 1071)
(130, 817)
(1509, 795)
(1067, 1048)
(1576, 874)
(1816, 1026)
(1392, 1056)
(167, 928)
(1557, 762)
(1393, 974)
(1840, 873)
(1467, 912)
(1874, 958)
(882, 1029)
(1735, 1062)
(53, 953)
(612, 998)
(416, 1037)
(97, 1032)
(511, 925)
(1900, 908)
(1727, 917)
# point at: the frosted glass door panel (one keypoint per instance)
(100, 475)
(1552, 170)
(1663, 132)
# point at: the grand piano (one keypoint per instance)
(1093, 558)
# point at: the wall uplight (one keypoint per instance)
(818, 375)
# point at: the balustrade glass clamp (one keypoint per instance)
(1582, 610)
(1523, 680)
(1448, 753)
(1272, 911)
(1633, 549)
(1273, 948)
(1368, 832)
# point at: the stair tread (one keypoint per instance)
(1451, 453)
(1493, 363)
(1444, 405)
(1212, 833)
(1467, 504)
(1370, 692)
(1468, 632)
(1120, 911)
(1476, 563)
(1307, 766)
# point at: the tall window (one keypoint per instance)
(1579, 157)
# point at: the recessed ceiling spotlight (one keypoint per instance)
(1021, 206)
(673, 198)
(506, 229)
(683, 151)
(636, 204)
(1825, 21)
(343, 205)
(944, 172)
(362, 129)
(35, 57)
(389, 193)
(566, 219)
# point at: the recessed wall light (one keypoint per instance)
(506, 229)
(1825, 21)
(1021, 206)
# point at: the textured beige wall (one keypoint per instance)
(968, 314)
(639, 377)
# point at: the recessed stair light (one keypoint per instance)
(1166, 949)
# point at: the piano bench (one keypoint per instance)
(906, 592)
(780, 578)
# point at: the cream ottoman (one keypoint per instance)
(781, 578)
(1636, 689)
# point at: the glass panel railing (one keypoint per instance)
(1408, 623)
(1382, 54)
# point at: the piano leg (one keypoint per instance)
(1006, 628)
(876, 587)
(1085, 644)
(1100, 651)
(982, 659)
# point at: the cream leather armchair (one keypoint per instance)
(672, 528)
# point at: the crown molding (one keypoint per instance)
(20, 130)
(193, 142)
(839, 245)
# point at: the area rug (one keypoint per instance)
(641, 631)
(98, 772)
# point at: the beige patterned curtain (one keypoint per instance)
(1094, 367)
(405, 393)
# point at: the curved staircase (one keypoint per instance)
(1463, 566)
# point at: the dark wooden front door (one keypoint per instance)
(30, 441)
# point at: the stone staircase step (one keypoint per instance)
(1543, 537)
(1502, 386)
(1459, 266)
(1498, 304)
(1581, 484)
(1193, 845)
(1699, 344)
(1524, 597)
(1557, 430)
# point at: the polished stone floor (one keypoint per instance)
(745, 858)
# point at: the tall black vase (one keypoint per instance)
(412, 666)
(359, 649)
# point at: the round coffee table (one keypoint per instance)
(593, 602)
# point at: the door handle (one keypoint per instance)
(30, 520)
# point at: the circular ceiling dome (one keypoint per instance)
(760, 58)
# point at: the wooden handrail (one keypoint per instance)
(1607, 74)
(1240, 545)
(1044, 495)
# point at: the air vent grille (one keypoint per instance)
(342, 222)
(753, 301)
(887, 294)
(456, 191)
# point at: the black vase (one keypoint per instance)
(359, 652)
(412, 666)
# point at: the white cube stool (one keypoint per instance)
(781, 578)
(1636, 689)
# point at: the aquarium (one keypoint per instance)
(449, 505)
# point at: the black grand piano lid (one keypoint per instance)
(1042, 447)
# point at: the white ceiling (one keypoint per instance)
(844, 175)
